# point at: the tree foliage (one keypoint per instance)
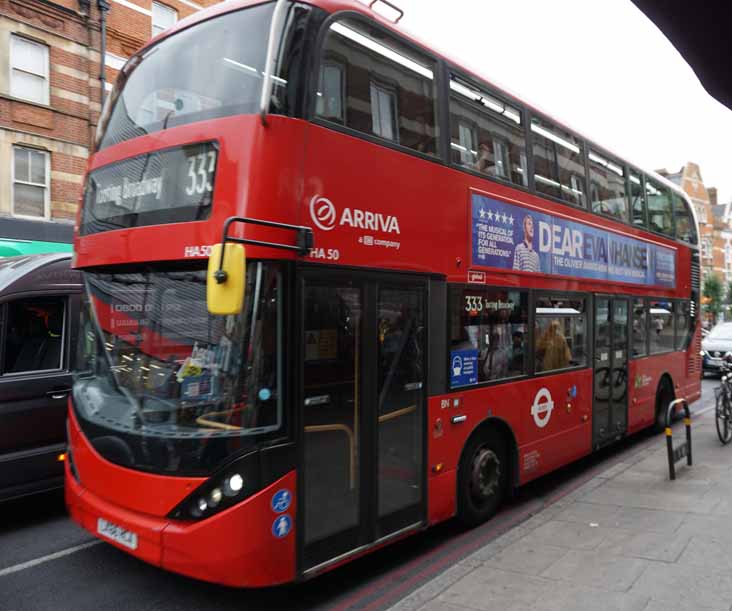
(713, 291)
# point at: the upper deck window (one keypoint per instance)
(486, 134)
(660, 215)
(210, 70)
(684, 220)
(373, 83)
(559, 168)
(607, 187)
(637, 199)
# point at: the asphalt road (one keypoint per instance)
(47, 562)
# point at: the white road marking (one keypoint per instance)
(31, 563)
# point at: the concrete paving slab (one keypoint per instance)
(646, 545)
(526, 557)
(564, 598)
(596, 570)
(488, 589)
(687, 587)
(571, 535)
(589, 513)
(665, 605)
(706, 551)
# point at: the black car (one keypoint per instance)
(40, 296)
(717, 347)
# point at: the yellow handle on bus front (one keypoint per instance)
(225, 284)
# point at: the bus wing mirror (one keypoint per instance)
(225, 279)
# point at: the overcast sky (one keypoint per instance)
(600, 66)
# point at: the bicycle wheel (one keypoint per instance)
(723, 413)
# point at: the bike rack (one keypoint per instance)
(676, 454)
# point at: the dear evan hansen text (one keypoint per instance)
(563, 247)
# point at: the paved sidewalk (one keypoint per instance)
(629, 539)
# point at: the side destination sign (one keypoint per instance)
(513, 237)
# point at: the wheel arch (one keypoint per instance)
(665, 379)
(504, 429)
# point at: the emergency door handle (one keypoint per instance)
(458, 419)
(319, 400)
(60, 393)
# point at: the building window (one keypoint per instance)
(706, 248)
(28, 70)
(30, 182)
(163, 17)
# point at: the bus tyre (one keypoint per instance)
(482, 477)
(664, 396)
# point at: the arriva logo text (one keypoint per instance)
(324, 215)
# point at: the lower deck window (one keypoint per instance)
(488, 338)
(661, 326)
(560, 331)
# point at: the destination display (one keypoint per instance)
(170, 186)
(517, 238)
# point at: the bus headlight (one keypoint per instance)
(229, 486)
(233, 484)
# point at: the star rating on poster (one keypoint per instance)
(499, 217)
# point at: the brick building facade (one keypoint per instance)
(51, 92)
(711, 225)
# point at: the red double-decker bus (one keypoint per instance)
(425, 293)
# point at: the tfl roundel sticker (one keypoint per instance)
(542, 408)
(281, 526)
(281, 501)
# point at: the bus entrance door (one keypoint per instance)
(610, 405)
(362, 474)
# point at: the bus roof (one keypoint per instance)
(334, 6)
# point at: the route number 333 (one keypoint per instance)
(200, 172)
(473, 304)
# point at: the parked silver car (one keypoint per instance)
(716, 347)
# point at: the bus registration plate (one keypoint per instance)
(116, 533)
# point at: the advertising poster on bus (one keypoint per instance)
(522, 239)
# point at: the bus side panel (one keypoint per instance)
(238, 547)
(642, 394)
(556, 413)
(550, 418)
(644, 377)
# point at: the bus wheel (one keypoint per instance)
(482, 477)
(664, 396)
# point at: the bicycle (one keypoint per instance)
(723, 406)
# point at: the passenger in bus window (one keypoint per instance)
(525, 258)
(497, 358)
(552, 349)
(517, 352)
(484, 163)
